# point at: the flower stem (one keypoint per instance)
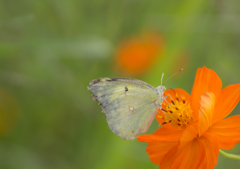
(233, 156)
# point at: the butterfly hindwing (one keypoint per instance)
(130, 105)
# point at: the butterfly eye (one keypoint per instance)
(164, 88)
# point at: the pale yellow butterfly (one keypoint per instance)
(130, 105)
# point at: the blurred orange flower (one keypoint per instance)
(193, 127)
(135, 56)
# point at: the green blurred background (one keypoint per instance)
(50, 50)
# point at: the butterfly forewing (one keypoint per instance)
(130, 105)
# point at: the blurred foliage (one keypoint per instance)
(50, 50)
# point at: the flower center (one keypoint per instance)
(178, 113)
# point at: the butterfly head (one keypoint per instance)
(161, 89)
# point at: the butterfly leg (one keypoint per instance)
(165, 98)
(165, 112)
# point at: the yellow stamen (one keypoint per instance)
(178, 113)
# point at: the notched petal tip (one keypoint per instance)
(227, 101)
(228, 131)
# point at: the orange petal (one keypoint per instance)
(168, 158)
(211, 143)
(227, 145)
(189, 134)
(188, 157)
(206, 80)
(169, 133)
(228, 131)
(206, 110)
(158, 150)
(161, 135)
(227, 101)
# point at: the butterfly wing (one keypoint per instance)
(130, 105)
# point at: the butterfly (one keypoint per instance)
(130, 105)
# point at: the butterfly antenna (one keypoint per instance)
(173, 75)
(162, 78)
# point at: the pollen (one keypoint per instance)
(178, 112)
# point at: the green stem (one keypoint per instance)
(233, 156)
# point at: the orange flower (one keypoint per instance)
(135, 56)
(193, 127)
